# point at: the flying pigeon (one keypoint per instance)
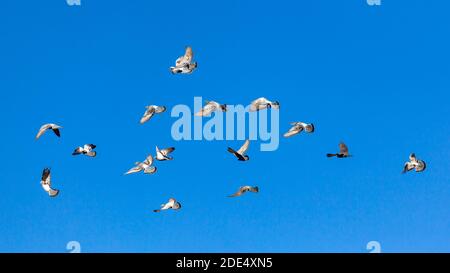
(87, 149)
(240, 154)
(172, 204)
(151, 111)
(145, 166)
(49, 126)
(298, 127)
(184, 64)
(245, 189)
(47, 184)
(414, 163)
(263, 103)
(211, 106)
(162, 155)
(343, 151)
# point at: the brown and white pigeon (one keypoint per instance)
(146, 166)
(343, 151)
(151, 111)
(245, 189)
(184, 64)
(241, 153)
(263, 103)
(49, 126)
(210, 107)
(163, 154)
(172, 204)
(298, 127)
(87, 149)
(414, 163)
(46, 183)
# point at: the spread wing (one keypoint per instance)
(160, 109)
(256, 104)
(149, 160)
(167, 151)
(56, 131)
(207, 109)
(46, 177)
(296, 129)
(244, 148)
(148, 115)
(408, 167)
(238, 193)
(134, 170)
(187, 58)
(90, 146)
(343, 149)
(91, 153)
(77, 151)
(42, 130)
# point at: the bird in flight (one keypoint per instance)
(151, 111)
(241, 153)
(211, 106)
(49, 126)
(145, 166)
(414, 163)
(343, 151)
(172, 204)
(87, 149)
(298, 127)
(184, 64)
(47, 184)
(263, 103)
(162, 155)
(245, 189)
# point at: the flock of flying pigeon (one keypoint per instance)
(185, 65)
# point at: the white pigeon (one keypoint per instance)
(145, 166)
(47, 184)
(241, 153)
(414, 163)
(49, 126)
(245, 189)
(210, 107)
(263, 103)
(151, 111)
(87, 149)
(172, 204)
(298, 127)
(184, 64)
(162, 155)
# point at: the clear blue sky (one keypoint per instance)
(374, 77)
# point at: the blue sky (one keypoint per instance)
(374, 77)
